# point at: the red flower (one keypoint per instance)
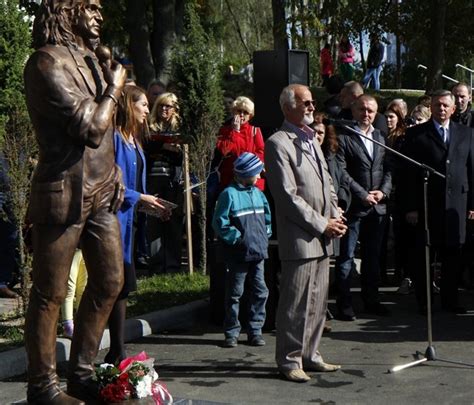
(126, 362)
(116, 392)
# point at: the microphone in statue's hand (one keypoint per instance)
(338, 122)
(104, 55)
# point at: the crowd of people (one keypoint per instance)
(334, 192)
(346, 58)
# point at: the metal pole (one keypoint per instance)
(444, 76)
(471, 71)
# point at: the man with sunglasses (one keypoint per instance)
(307, 218)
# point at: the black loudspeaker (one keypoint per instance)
(274, 70)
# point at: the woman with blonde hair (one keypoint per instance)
(164, 117)
(165, 176)
(237, 137)
(131, 130)
(420, 114)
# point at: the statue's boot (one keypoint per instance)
(40, 342)
(89, 326)
(54, 396)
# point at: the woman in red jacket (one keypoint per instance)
(237, 137)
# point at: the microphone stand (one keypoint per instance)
(430, 352)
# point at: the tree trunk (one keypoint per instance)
(280, 39)
(179, 17)
(436, 49)
(163, 37)
(398, 74)
(139, 42)
(361, 45)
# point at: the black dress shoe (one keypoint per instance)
(377, 309)
(141, 262)
(347, 315)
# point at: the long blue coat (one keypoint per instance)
(126, 158)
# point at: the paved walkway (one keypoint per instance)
(194, 366)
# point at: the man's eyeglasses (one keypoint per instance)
(307, 103)
(166, 106)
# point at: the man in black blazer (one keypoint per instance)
(447, 147)
(363, 165)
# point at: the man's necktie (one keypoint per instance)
(444, 135)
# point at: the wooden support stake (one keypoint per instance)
(188, 208)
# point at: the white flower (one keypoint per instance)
(106, 365)
(143, 388)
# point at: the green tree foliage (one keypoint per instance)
(18, 144)
(14, 50)
(414, 22)
(240, 27)
(458, 42)
(196, 77)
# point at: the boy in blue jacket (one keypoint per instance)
(242, 223)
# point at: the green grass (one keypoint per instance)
(153, 293)
(11, 335)
(164, 291)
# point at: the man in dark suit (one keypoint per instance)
(75, 190)
(447, 147)
(363, 163)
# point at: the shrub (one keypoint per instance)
(16, 136)
(196, 75)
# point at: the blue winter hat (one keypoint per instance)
(247, 165)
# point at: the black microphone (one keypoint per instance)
(338, 122)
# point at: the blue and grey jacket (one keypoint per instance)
(242, 222)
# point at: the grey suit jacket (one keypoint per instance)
(304, 197)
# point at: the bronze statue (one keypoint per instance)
(75, 191)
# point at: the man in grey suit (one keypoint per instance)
(307, 219)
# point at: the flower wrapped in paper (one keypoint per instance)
(134, 378)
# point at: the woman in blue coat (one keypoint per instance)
(131, 127)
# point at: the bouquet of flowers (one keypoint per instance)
(134, 378)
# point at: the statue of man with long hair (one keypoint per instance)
(76, 189)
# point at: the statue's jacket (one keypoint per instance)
(63, 86)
